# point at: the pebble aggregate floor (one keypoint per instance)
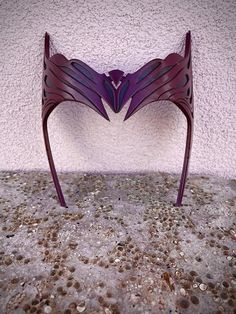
(120, 246)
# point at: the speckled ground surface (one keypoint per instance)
(120, 246)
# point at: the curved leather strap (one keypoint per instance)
(187, 44)
(46, 45)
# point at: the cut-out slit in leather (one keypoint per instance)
(159, 79)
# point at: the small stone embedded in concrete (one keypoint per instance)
(182, 291)
(216, 299)
(194, 299)
(47, 309)
(203, 287)
(81, 306)
(80, 309)
(184, 303)
(134, 298)
(233, 233)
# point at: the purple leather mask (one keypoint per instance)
(159, 79)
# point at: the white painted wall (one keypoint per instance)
(125, 35)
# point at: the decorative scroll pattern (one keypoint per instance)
(168, 79)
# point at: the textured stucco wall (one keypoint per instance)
(125, 35)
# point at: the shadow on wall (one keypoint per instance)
(146, 140)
